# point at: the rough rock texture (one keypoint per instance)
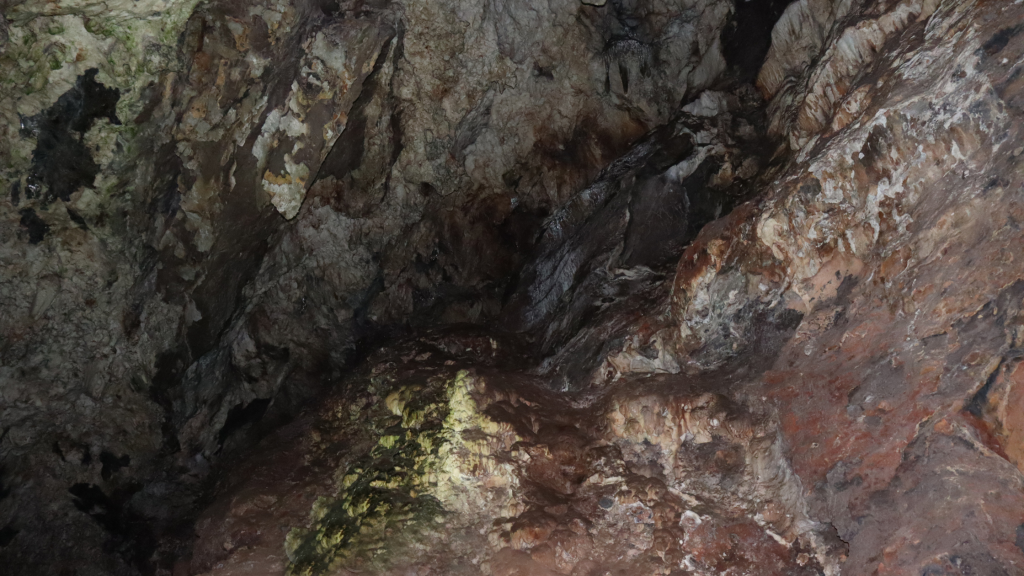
(721, 328)
(155, 299)
(432, 467)
(891, 236)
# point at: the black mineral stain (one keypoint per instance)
(111, 463)
(7, 534)
(37, 229)
(242, 414)
(61, 163)
(747, 37)
(999, 41)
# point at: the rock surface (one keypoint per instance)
(720, 328)
(438, 469)
(208, 201)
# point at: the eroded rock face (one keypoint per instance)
(204, 203)
(722, 328)
(888, 235)
(433, 467)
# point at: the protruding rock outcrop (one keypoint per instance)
(434, 467)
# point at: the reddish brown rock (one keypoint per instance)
(770, 336)
(845, 346)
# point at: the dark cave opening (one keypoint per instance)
(112, 464)
(242, 414)
(748, 35)
(129, 534)
(656, 235)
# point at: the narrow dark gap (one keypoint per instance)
(240, 415)
(129, 535)
(748, 35)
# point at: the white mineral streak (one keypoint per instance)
(804, 99)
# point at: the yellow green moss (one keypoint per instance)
(402, 485)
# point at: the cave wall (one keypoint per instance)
(208, 206)
(890, 236)
(868, 297)
(213, 210)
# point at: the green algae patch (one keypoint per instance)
(431, 465)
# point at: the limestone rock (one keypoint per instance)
(510, 287)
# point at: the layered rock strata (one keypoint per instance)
(888, 241)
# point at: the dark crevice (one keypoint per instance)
(543, 72)
(242, 414)
(997, 42)
(129, 534)
(665, 218)
(329, 8)
(397, 136)
(976, 405)
(748, 35)
(4, 490)
(34, 225)
(112, 464)
(170, 367)
(347, 153)
(77, 219)
(339, 176)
